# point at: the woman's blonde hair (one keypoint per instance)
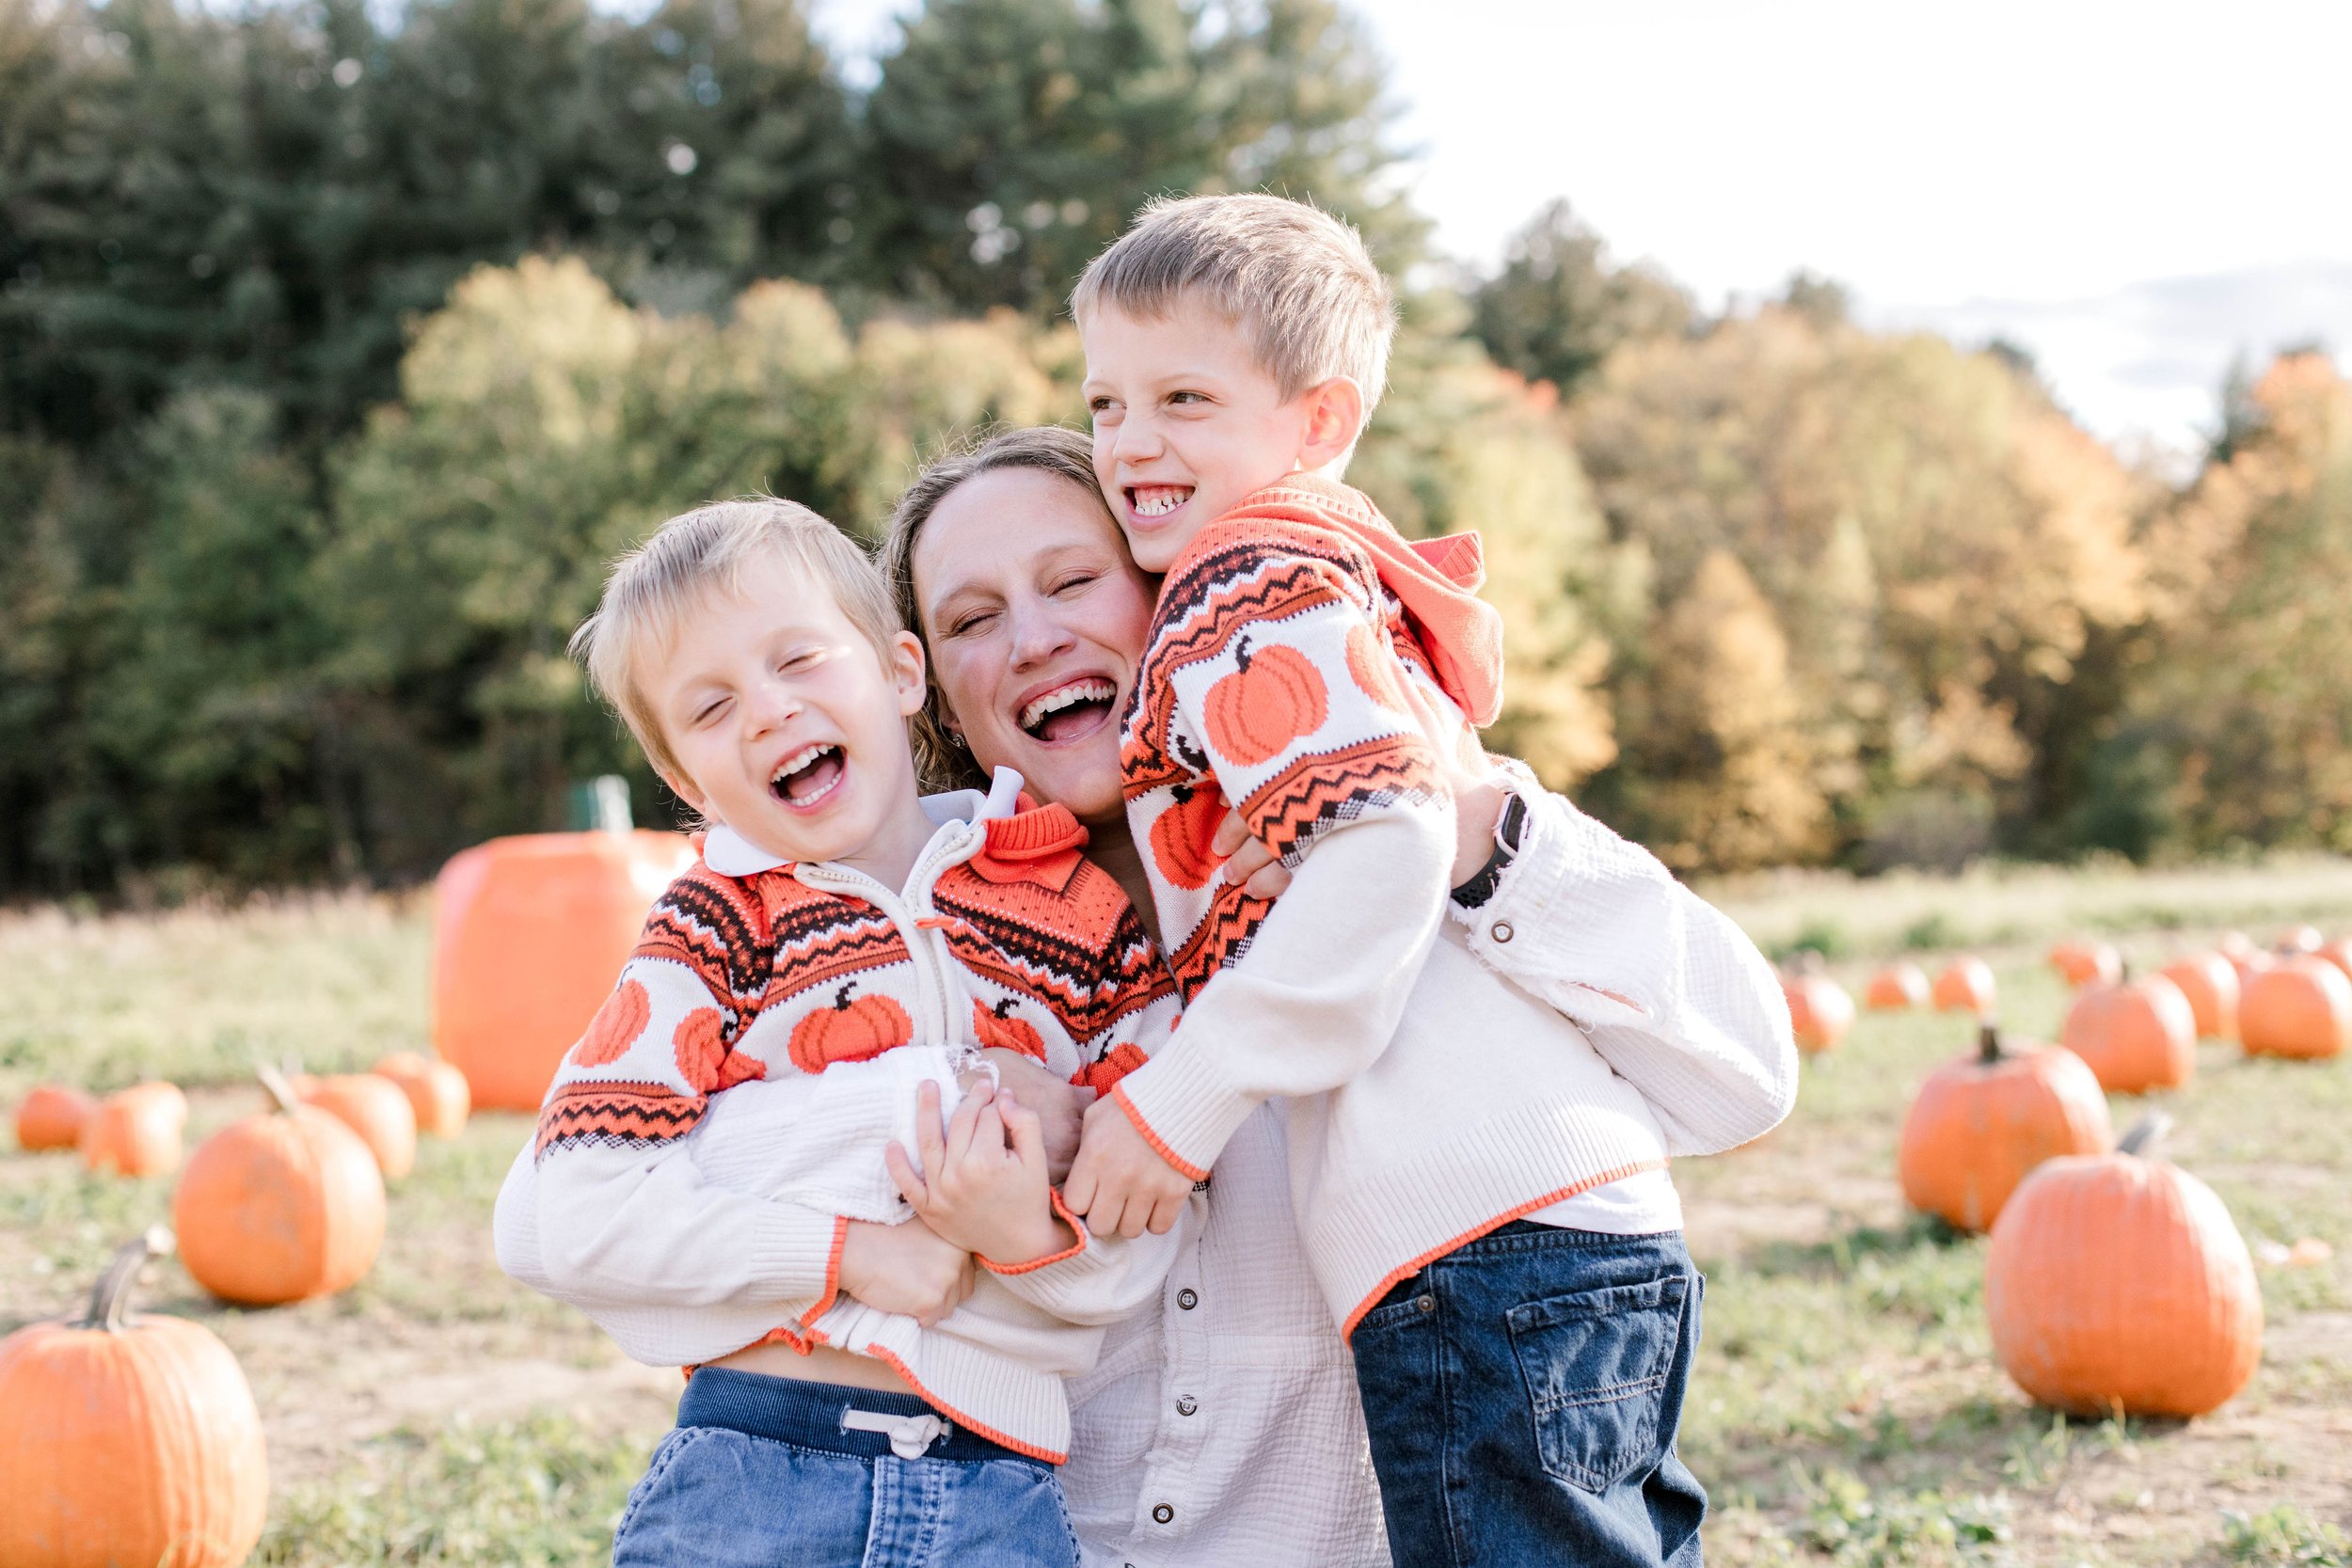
(940, 754)
(655, 586)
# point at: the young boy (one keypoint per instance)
(724, 1169)
(1484, 1201)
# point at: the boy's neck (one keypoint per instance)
(889, 856)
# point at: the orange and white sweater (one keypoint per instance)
(1429, 1098)
(705, 1144)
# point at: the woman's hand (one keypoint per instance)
(983, 1184)
(1060, 1107)
(908, 1269)
(1119, 1181)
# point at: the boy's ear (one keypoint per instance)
(907, 672)
(684, 789)
(1335, 417)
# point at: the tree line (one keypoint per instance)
(341, 345)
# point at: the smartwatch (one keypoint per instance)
(1509, 829)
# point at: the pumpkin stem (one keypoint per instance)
(110, 1301)
(1241, 653)
(2141, 1139)
(1988, 1040)
(841, 1000)
(280, 1092)
(1003, 1008)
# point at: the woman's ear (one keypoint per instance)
(1335, 417)
(907, 671)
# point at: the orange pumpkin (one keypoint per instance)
(528, 933)
(2302, 1009)
(376, 1108)
(2338, 952)
(135, 1131)
(1982, 1120)
(2249, 964)
(1103, 1076)
(280, 1207)
(2209, 980)
(996, 1028)
(2119, 1283)
(1897, 987)
(1180, 836)
(849, 1032)
(1274, 696)
(1819, 1010)
(127, 1439)
(437, 1091)
(51, 1117)
(2084, 962)
(1965, 987)
(2136, 1035)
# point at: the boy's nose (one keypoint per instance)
(771, 704)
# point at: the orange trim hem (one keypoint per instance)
(1159, 1145)
(1402, 1271)
(833, 1273)
(949, 1411)
(1076, 1247)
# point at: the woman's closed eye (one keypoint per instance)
(1072, 582)
(970, 621)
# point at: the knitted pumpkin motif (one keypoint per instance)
(1103, 1075)
(618, 1022)
(849, 1032)
(1371, 666)
(997, 1029)
(701, 1046)
(1273, 697)
(1181, 835)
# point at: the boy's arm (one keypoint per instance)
(1671, 992)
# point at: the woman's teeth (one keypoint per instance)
(1034, 715)
(806, 775)
(1158, 500)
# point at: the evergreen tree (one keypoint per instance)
(1558, 307)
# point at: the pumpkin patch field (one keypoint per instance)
(1849, 1404)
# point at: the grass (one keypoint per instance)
(1844, 1410)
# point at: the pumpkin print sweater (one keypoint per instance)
(1429, 1098)
(705, 1144)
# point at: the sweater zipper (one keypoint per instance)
(933, 969)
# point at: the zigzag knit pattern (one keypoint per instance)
(738, 979)
(1271, 680)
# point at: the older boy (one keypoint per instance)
(1484, 1201)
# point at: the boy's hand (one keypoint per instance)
(1060, 1106)
(1249, 864)
(983, 1184)
(908, 1269)
(1119, 1181)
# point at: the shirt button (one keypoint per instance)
(1499, 931)
(1186, 1405)
(1188, 1298)
(1163, 1514)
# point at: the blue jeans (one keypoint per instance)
(760, 1471)
(1522, 1394)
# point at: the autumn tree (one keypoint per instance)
(1560, 304)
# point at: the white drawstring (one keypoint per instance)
(910, 1435)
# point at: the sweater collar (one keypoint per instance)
(730, 854)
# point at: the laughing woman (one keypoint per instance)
(1224, 1429)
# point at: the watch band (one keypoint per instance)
(1509, 829)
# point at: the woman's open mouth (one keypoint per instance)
(808, 776)
(1070, 711)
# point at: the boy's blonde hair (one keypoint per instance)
(1297, 282)
(655, 586)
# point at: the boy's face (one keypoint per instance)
(1186, 423)
(789, 727)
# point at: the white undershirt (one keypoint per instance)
(1642, 1204)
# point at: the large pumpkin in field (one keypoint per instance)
(437, 1092)
(135, 1131)
(281, 1206)
(2119, 1282)
(1965, 987)
(51, 1116)
(1819, 1009)
(2301, 1008)
(2137, 1034)
(1897, 986)
(127, 1440)
(2209, 980)
(527, 935)
(1982, 1120)
(2081, 962)
(376, 1108)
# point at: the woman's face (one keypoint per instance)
(1036, 618)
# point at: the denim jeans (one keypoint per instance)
(1522, 1394)
(760, 1471)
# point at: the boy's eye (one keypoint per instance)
(1187, 397)
(1102, 407)
(710, 710)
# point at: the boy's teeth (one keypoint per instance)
(1158, 500)
(1068, 696)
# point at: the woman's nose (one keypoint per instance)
(1037, 636)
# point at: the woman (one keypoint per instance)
(1227, 1429)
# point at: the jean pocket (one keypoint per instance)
(1595, 1364)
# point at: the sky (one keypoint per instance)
(2136, 193)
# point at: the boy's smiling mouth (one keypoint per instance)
(808, 776)
(1154, 501)
(1069, 711)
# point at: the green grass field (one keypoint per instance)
(1845, 1407)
